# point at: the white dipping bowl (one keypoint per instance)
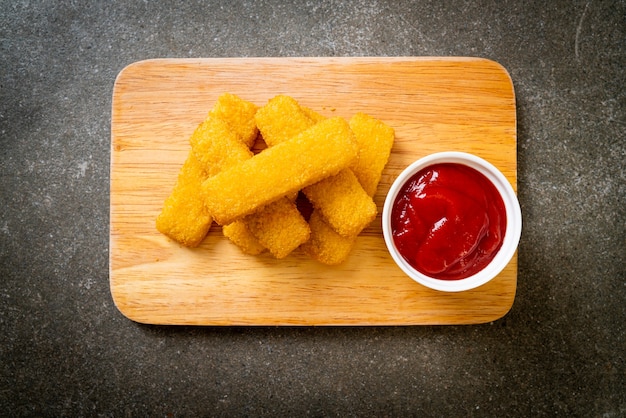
(511, 236)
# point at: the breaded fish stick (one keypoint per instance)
(219, 147)
(342, 202)
(238, 114)
(321, 151)
(215, 146)
(325, 244)
(340, 199)
(279, 227)
(184, 217)
(375, 140)
(241, 236)
(281, 119)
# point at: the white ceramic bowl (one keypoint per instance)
(511, 236)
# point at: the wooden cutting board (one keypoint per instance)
(434, 104)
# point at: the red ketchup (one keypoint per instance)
(448, 221)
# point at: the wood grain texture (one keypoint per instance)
(434, 104)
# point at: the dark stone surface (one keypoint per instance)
(66, 351)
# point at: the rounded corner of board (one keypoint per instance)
(505, 72)
(496, 64)
(504, 311)
(129, 69)
(124, 309)
(499, 316)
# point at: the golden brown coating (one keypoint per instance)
(279, 227)
(325, 244)
(375, 140)
(342, 202)
(341, 199)
(281, 119)
(241, 236)
(336, 165)
(238, 114)
(217, 146)
(312, 114)
(184, 217)
(321, 151)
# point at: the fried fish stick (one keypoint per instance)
(281, 119)
(279, 227)
(184, 217)
(342, 202)
(241, 236)
(375, 140)
(312, 114)
(321, 151)
(325, 244)
(223, 141)
(220, 146)
(238, 114)
(217, 146)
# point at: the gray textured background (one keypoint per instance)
(66, 351)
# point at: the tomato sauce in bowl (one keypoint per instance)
(451, 221)
(448, 221)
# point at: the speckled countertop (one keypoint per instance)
(65, 350)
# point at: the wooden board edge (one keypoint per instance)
(124, 308)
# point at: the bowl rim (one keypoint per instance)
(511, 237)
